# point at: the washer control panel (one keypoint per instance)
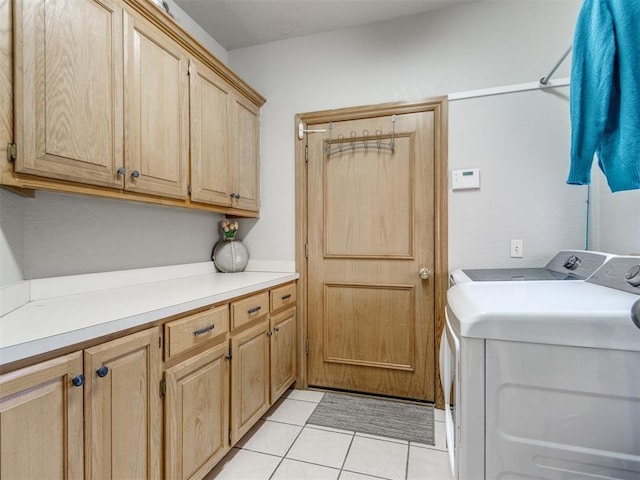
(633, 275)
(580, 264)
(621, 273)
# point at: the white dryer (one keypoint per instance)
(545, 377)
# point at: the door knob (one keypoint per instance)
(424, 273)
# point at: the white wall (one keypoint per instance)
(522, 154)
(11, 238)
(67, 235)
(618, 220)
(519, 141)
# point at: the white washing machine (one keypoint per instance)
(565, 265)
(542, 379)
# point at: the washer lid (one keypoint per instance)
(561, 313)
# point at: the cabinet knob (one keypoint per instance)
(235, 195)
(102, 371)
(277, 329)
(269, 333)
(122, 171)
(135, 174)
(78, 380)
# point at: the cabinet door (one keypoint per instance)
(245, 169)
(41, 421)
(283, 352)
(123, 407)
(197, 414)
(249, 378)
(210, 101)
(68, 90)
(156, 99)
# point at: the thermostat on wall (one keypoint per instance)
(465, 179)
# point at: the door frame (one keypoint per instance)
(439, 107)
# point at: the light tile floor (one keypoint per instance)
(282, 447)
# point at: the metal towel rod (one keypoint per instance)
(545, 80)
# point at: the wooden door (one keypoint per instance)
(123, 409)
(283, 352)
(210, 100)
(156, 99)
(41, 421)
(68, 90)
(249, 378)
(197, 414)
(245, 159)
(371, 319)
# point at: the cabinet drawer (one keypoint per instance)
(283, 296)
(181, 335)
(249, 309)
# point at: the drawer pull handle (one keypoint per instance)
(202, 330)
(253, 310)
(286, 297)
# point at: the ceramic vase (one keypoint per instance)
(230, 255)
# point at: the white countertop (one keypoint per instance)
(47, 324)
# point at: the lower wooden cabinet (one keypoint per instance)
(110, 398)
(98, 413)
(123, 419)
(197, 414)
(249, 378)
(41, 427)
(283, 352)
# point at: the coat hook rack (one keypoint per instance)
(353, 144)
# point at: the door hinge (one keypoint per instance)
(160, 341)
(163, 388)
(11, 152)
(228, 357)
(306, 346)
(189, 189)
(306, 153)
(306, 250)
(189, 68)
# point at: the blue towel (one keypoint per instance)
(605, 93)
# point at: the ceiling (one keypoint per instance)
(243, 23)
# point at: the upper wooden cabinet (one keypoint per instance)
(211, 108)
(104, 98)
(225, 143)
(245, 164)
(156, 99)
(68, 90)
